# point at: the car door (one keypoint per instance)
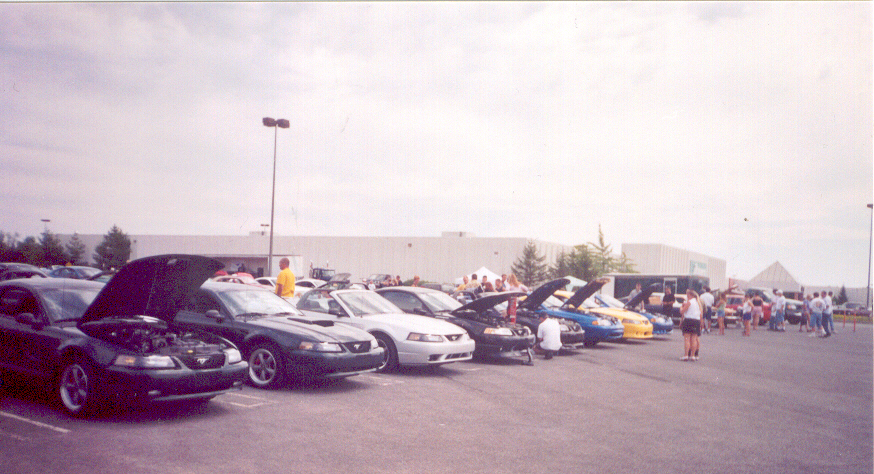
(32, 344)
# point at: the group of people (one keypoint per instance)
(504, 283)
(817, 314)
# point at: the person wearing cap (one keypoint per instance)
(777, 312)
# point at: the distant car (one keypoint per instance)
(12, 271)
(407, 339)
(241, 279)
(276, 338)
(377, 280)
(116, 342)
(852, 309)
(300, 286)
(492, 333)
(660, 323)
(103, 277)
(793, 310)
(76, 272)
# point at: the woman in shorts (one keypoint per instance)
(747, 314)
(758, 310)
(690, 323)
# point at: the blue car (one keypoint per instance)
(598, 328)
(660, 324)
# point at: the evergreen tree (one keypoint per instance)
(602, 255)
(530, 268)
(114, 251)
(842, 296)
(578, 263)
(30, 251)
(8, 243)
(52, 251)
(76, 250)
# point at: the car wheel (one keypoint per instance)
(266, 368)
(590, 343)
(390, 356)
(78, 387)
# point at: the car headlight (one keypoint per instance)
(628, 321)
(320, 346)
(145, 362)
(498, 331)
(233, 356)
(415, 336)
(564, 328)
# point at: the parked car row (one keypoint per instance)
(157, 330)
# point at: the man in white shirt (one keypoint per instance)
(778, 312)
(707, 302)
(827, 323)
(549, 335)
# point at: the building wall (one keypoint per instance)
(661, 259)
(438, 259)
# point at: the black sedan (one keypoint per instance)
(277, 339)
(116, 342)
(492, 333)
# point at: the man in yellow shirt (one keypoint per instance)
(285, 281)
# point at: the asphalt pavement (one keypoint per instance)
(772, 402)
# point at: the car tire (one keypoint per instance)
(390, 356)
(590, 343)
(266, 367)
(78, 387)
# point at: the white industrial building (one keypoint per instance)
(658, 259)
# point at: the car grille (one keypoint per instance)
(357, 347)
(453, 337)
(520, 331)
(200, 362)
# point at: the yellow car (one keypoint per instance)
(636, 326)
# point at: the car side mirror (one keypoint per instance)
(29, 319)
(339, 312)
(420, 311)
(214, 314)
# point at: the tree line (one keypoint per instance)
(47, 250)
(586, 261)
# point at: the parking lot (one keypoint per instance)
(775, 402)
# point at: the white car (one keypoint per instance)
(408, 339)
(300, 286)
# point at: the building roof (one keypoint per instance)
(775, 276)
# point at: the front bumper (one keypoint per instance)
(304, 364)
(596, 334)
(160, 385)
(491, 344)
(637, 331)
(434, 353)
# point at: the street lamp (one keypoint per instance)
(870, 238)
(45, 224)
(276, 124)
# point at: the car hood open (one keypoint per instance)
(481, 304)
(157, 286)
(643, 295)
(541, 293)
(585, 292)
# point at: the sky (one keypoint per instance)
(742, 131)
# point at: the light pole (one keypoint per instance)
(276, 124)
(45, 224)
(870, 238)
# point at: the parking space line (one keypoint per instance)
(263, 401)
(14, 436)
(35, 423)
(381, 380)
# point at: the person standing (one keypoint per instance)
(473, 284)
(668, 302)
(827, 322)
(778, 310)
(499, 285)
(463, 284)
(830, 307)
(549, 335)
(707, 304)
(513, 284)
(805, 314)
(285, 280)
(747, 314)
(758, 310)
(690, 323)
(816, 307)
(720, 313)
(416, 281)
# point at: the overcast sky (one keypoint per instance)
(742, 131)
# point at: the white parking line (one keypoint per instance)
(381, 380)
(35, 423)
(263, 401)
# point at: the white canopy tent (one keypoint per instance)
(479, 274)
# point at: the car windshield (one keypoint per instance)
(68, 304)
(363, 303)
(439, 301)
(610, 301)
(256, 302)
(89, 272)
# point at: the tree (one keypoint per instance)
(578, 263)
(529, 267)
(842, 296)
(52, 251)
(29, 251)
(76, 250)
(602, 255)
(114, 251)
(8, 244)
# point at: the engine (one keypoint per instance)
(147, 335)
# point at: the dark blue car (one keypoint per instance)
(598, 328)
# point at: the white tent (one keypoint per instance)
(575, 283)
(479, 274)
(775, 276)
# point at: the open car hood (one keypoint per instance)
(156, 286)
(585, 292)
(481, 304)
(643, 295)
(541, 293)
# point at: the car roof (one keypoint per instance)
(50, 283)
(408, 289)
